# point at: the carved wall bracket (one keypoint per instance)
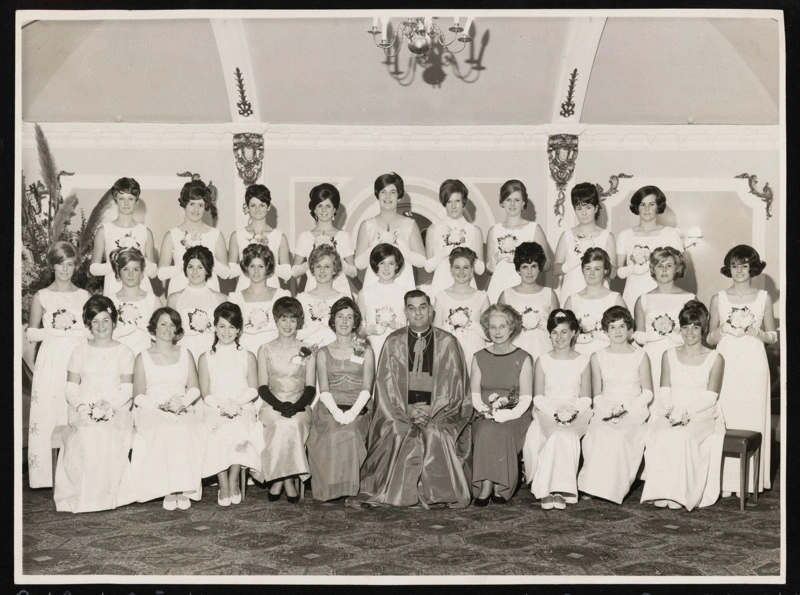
(613, 182)
(245, 107)
(248, 149)
(568, 106)
(562, 152)
(765, 195)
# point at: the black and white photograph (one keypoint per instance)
(400, 297)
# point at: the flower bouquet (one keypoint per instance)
(388, 236)
(63, 319)
(459, 318)
(199, 321)
(384, 317)
(128, 241)
(640, 255)
(323, 240)
(663, 324)
(173, 405)
(615, 413)
(100, 411)
(582, 244)
(507, 244)
(358, 347)
(496, 402)
(261, 237)
(531, 319)
(191, 238)
(741, 318)
(565, 415)
(305, 353)
(257, 319)
(455, 236)
(230, 409)
(678, 416)
(129, 313)
(320, 311)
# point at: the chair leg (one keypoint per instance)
(756, 474)
(55, 461)
(243, 481)
(302, 489)
(743, 461)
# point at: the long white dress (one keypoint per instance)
(745, 393)
(661, 315)
(590, 315)
(534, 309)
(196, 306)
(60, 310)
(123, 237)
(637, 249)
(181, 240)
(552, 452)
(506, 241)
(169, 448)
(572, 282)
(316, 314)
(463, 320)
(93, 472)
(259, 326)
(400, 237)
(272, 240)
(682, 463)
(613, 449)
(382, 303)
(343, 243)
(132, 320)
(446, 235)
(231, 441)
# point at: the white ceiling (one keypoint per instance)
(328, 71)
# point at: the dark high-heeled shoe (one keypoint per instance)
(498, 499)
(274, 497)
(482, 502)
(293, 499)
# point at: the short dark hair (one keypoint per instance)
(528, 253)
(559, 315)
(96, 304)
(510, 187)
(197, 190)
(645, 191)
(599, 255)
(174, 317)
(253, 251)
(694, 312)
(119, 257)
(383, 251)
(384, 180)
(415, 293)
(462, 252)
(615, 313)
(201, 253)
(450, 187)
(586, 193)
(288, 306)
(321, 193)
(742, 254)
(58, 252)
(343, 303)
(321, 252)
(662, 253)
(258, 191)
(126, 185)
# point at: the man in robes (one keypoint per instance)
(420, 440)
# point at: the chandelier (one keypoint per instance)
(421, 33)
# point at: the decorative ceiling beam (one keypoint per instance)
(240, 83)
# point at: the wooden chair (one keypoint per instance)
(744, 444)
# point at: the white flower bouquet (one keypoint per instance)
(257, 319)
(459, 318)
(640, 255)
(741, 318)
(663, 324)
(531, 319)
(199, 321)
(615, 413)
(191, 238)
(455, 236)
(678, 416)
(565, 415)
(63, 319)
(507, 244)
(100, 411)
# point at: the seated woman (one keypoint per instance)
(170, 440)
(683, 449)
(501, 378)
(325, 265)
(93, 471)
(345, 372)
(561, 412)
(623, 389)
(286, 373)
(382, 302)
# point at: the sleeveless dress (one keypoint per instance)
(168, 449)
(382, 301)
(343, 243)
(400, 237)
(745, 393)
(60, 310)
(285, 438)
(682, 463)
(534, 309)
(272, 240)
(196, 306)
(463, 320)
(316, 314)
(496, 445)
(181, 240)
(132, 320)
(123, 237)
(551, 452)
(590, 314)
(446, 235)
(336, 451)
(506, 241)
(259, 327)
(661, 314)
(93, 472)
(613, 448)
(237, 440)
(636, 250)
(572, 282)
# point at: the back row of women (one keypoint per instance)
(517, 253)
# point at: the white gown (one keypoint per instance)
(637, 249)
(400, 237)
(259, 326)
(534, 309)
(572, 282)
(463, 320)
(181, 240)
(169, 449)
(196, 306)
(93, 472)
(343, 243)
(660, 314)
(506, 241)
(552, 452)
(590, 315)
(382, 302)
(745, 393)
(612, 450)
(446, 235)
(123, 237)
(682, 463)
(316, 314)
(272, 240)
(132, 321)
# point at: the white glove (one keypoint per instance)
(123, 396)
(142, 402)
(247, 396)
(675, 338)
(517, 410)
(432, 263)
(362, 260)
(414, 258)
(503, 415)
(213, 401)
(541, 403)
(624, 272)
(100, 269)
(86, 412)
(478, 404)
(235, 270)
(664, 401)
(326, 399)
(72, 392)
(352, 413)
(376, 329)
(169, 272)
(283, 271)
(40, 334)
(641, 269)
(190, 396)
(571, 262)
(348, 269)
(479, 267)
(299, 270)
(646, 396)
(221, 269)
(150, 268)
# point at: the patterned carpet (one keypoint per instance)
(312, 538)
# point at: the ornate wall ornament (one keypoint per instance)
(245, 107)
(765, 195)
(568, 106)
(562, 151)
(613, 182)
(248, 149)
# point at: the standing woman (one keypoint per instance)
(93, 471)
(134, 305)
(55, 320)
(501, 378)
(635, 244)
(503, 239)
(590, 302)
(390, 227)
(195, 199)
(123, 232)
(256, 300)
(257, 201)
(453, 232)
(382, 302)
(325, 264)
(574, 242)
(458, 308)
(742, 322)
(286, 374)
(562, 384)
(196, 302)
(323, 204)
(656, 312)
(339, 425)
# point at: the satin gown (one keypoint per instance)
(534, 309)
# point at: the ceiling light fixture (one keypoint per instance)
(421, 33)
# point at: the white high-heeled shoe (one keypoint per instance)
(226, 501)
